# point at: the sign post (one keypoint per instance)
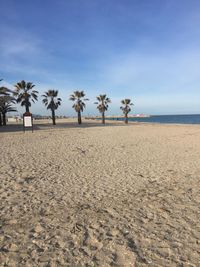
(27, 121)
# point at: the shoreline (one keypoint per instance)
(96, 122)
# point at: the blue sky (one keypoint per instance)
(145, 50)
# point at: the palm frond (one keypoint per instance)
(126, 105)
(102, 103)
(6, 104)
(4, 90)
(50, 99)
(25, 94)
(79, 104)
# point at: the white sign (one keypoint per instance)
(27, 121)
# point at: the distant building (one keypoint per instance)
(14, 119)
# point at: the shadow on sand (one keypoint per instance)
(60, 125)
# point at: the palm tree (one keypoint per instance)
(126, 108)
(6, 106)
(0, 118)
(52, 102)
(102, 103)
(79, 105)
(4, 91)
(25, 94)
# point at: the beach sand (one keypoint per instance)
(119, 195)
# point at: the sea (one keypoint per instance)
(177, 119)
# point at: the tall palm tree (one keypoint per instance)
(6, 106)
(4, 91)
(102, 103)
(126, 108)
(79, 105)
(0, 118)
(52, 102)
(25, 94)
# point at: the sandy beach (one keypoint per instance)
(119, 195)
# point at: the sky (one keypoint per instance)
(148, 51)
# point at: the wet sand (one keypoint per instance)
(117, 195)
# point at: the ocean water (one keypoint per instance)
(180, 119)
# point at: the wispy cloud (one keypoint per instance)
(21, 53)
(20, 47)
(17, 42)
(155, 72)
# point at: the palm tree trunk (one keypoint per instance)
(79, 117)
(126, 118)
(0, 120)
(27, 108)
(53, 117)
(27, 105)
(103, 117)
(4, 119)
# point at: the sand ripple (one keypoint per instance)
(113, 196)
